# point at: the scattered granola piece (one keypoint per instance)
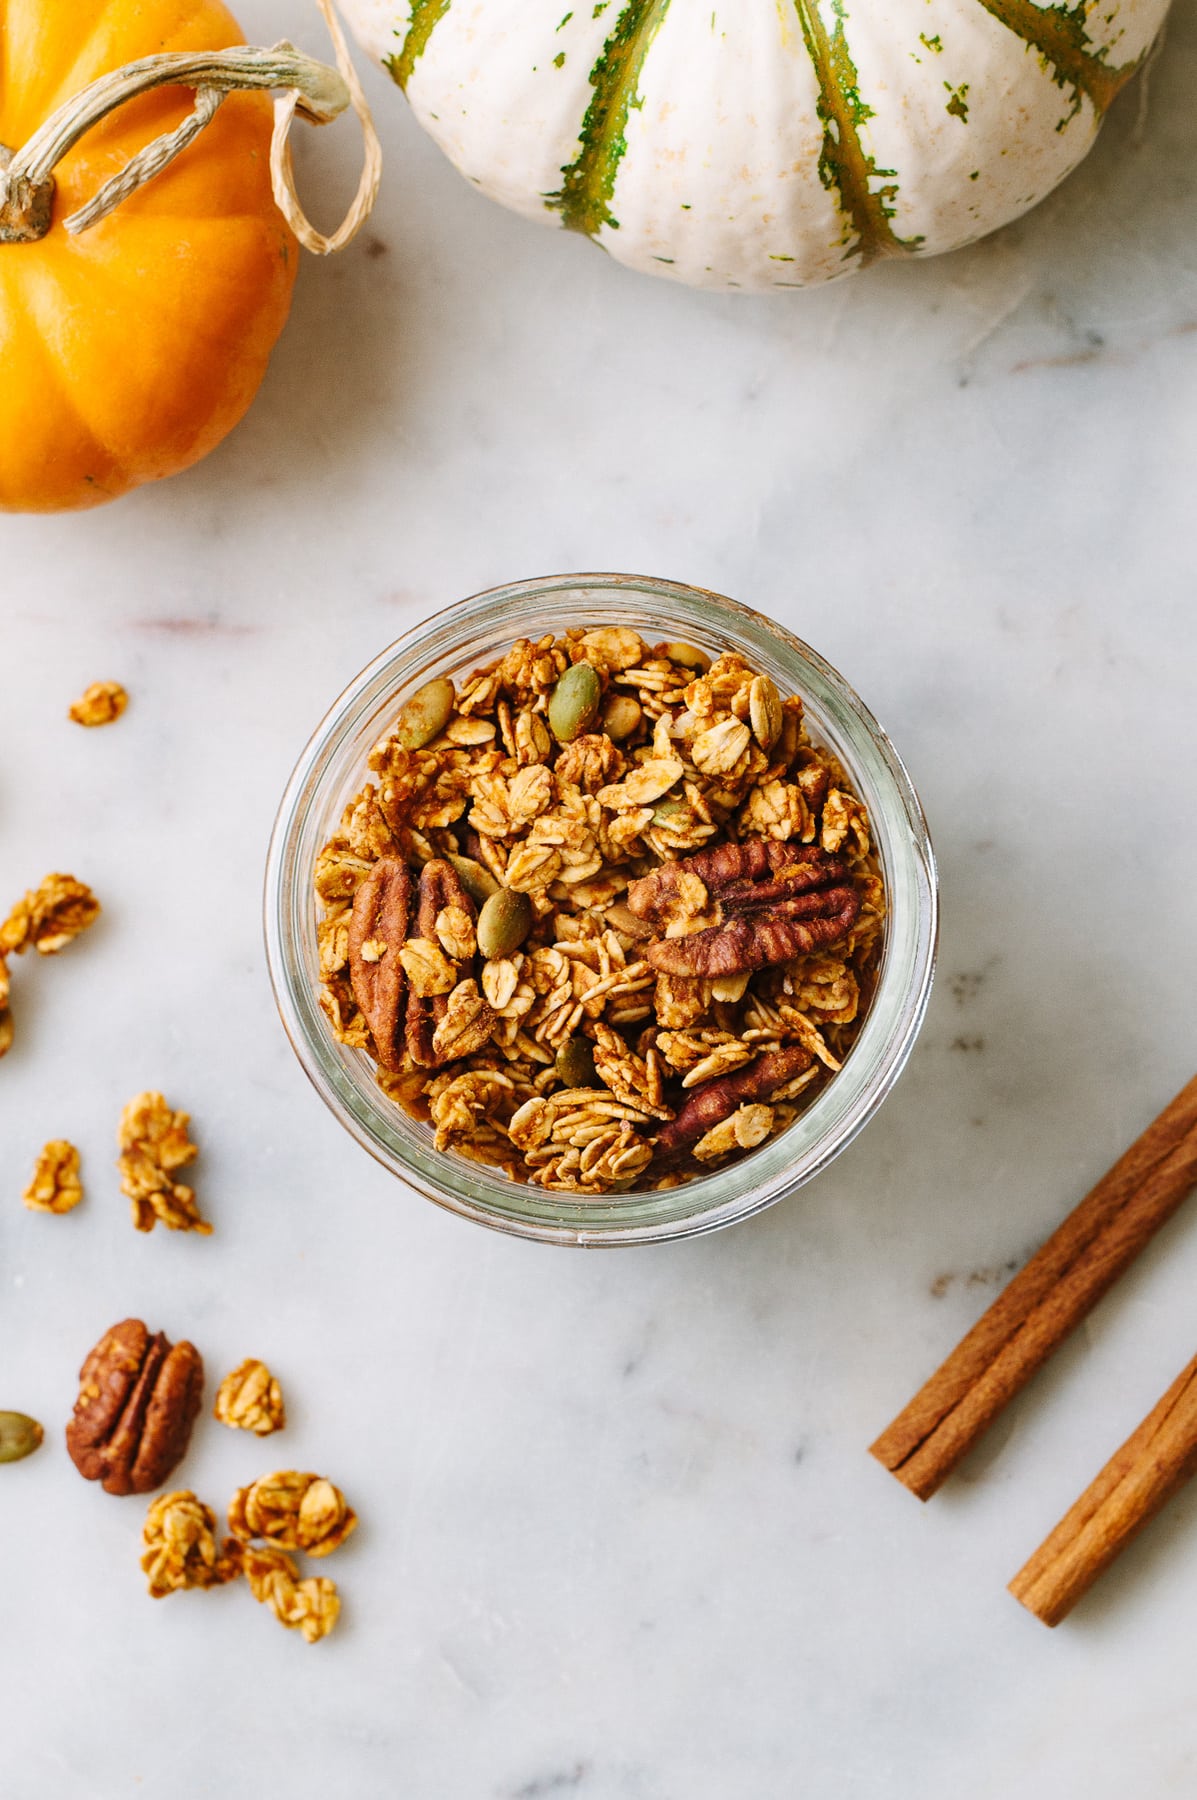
(55, 1187)
(180, 1549)
(250, 1399)
(49, 916)
(295, 1511)
(99, 704)
(153, 1142)
(311, 1606)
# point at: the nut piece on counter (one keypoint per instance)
(180, 1549)
(55, 1187)
(293, 1510)
(250, 1399)
(19, 1436)
(138, 1399)
(99, 704)
(153, 1142)
(311, 1606)
(5, 1015)
(49, 916)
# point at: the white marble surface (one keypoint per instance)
(621, 1539)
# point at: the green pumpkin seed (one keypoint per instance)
(477, 881)
(672, 813)
(764, 711)
(574, 704)
(504, 923)
(19, 1436)
(688, 655)
(426, 714)
(620, 717)
(575, 1063)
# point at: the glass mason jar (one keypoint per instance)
(333, 768)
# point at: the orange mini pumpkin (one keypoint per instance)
(128, 351)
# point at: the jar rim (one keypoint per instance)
(332, 766)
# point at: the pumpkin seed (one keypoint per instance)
(574, 703)
(621, 715)
(19, 1436)
(477, 881)
(504, 923)
(575, 1063)
(672, 813)
(688, 655)
(426, 714)
(764, 711)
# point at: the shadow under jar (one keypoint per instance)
(333, 769)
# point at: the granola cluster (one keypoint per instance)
(311, 1606)
(49, 916)
(179, 1548)
(56, 1186)
(250, 1399)
(294, 1511)
(46, 920)
(180, 1551)
(153, 1141)
(100, 704)
(605, 916)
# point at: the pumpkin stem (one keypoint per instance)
(24, 205)
(311, 88)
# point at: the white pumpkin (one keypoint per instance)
(762, 143)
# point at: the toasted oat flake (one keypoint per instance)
(747, 1127)
(706, 1007)
(427, 968)
(99, 704)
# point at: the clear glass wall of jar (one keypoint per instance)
(332, 769)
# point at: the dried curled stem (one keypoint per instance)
(312, 88)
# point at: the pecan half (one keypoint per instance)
(773, 902)
(377, 933)
(440, 888)
(138, 1399)
(712, 1102)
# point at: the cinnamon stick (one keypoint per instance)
(1136, 1482)
(1045, 1301)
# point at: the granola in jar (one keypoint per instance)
(605, 916)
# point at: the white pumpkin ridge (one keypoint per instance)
(767, 143)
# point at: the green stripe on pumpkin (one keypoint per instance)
(425, 16)
(1058, 34)
(584, 198)
(843, 163)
